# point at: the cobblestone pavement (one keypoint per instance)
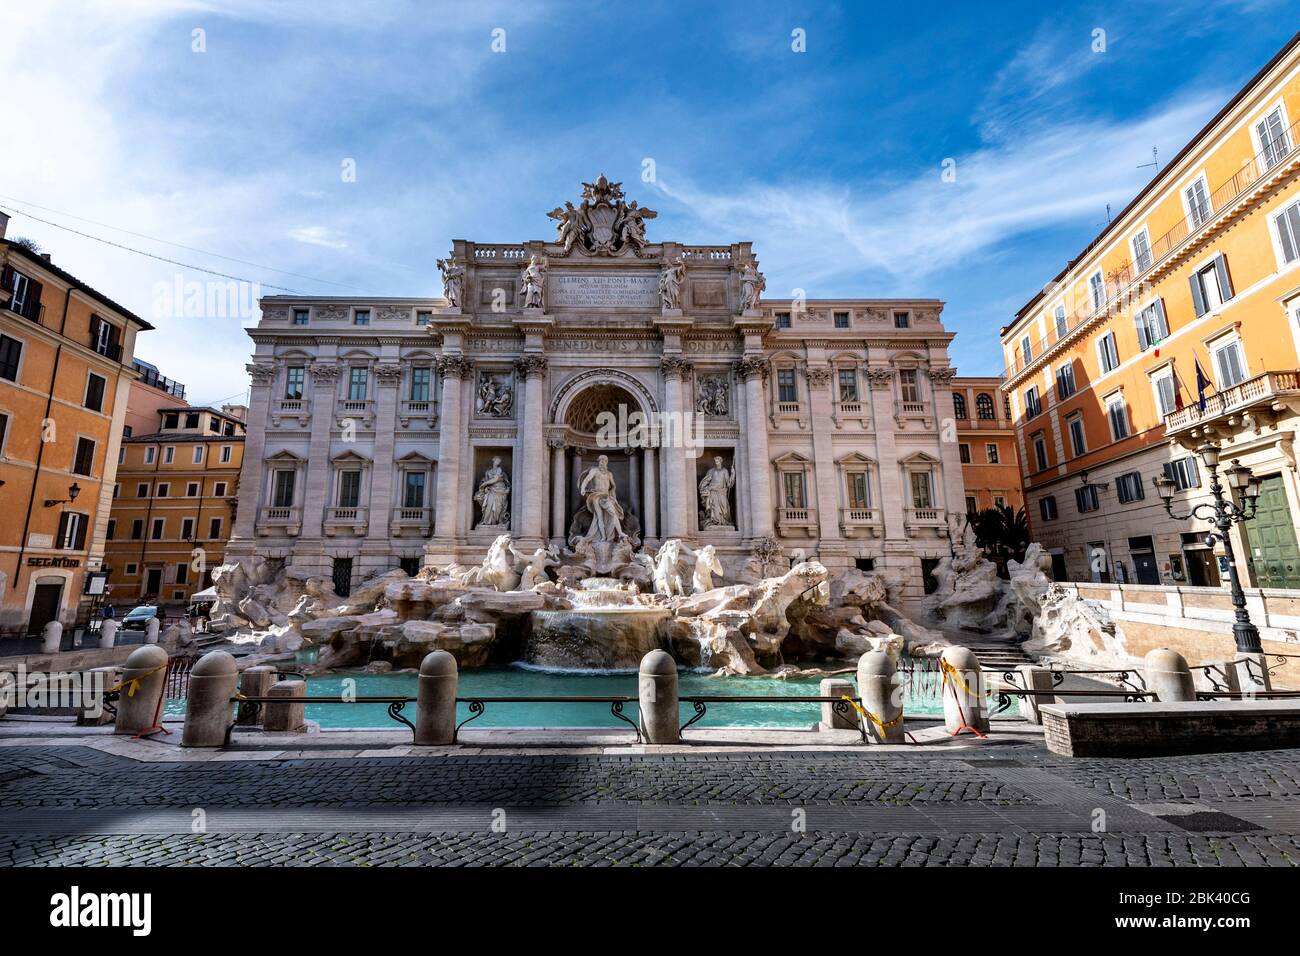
(1013, 806)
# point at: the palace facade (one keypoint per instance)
(388, 432)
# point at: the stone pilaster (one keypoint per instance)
(954, 484)
(315, 497)
(753, 371)
(828, 498)
(532, 369)
(893, 497)
(453, 369)
(388, 380)
(559, 491)
(676, 504)
(251, 474)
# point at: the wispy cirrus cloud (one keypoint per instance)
(903, 230)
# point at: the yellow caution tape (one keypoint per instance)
(956, 676)
(872, 717)
(133, 684)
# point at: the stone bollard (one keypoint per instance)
(51, 638)
(151, 629)
(1167, 674)
(1252, 673)
(963, 691)
(1034, 677)
(95, 713)
(289, 716)
(881, 697)
(435, 717)
(207, 705)
(139, 712)
(831, 718)
(660, 717)
(253, 682)
(107, 634)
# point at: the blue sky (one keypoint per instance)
(829, 160)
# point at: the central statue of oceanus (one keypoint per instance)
(600, 495)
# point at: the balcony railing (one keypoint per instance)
(411, 520)
(790, 519)
(417, 408)
(858, 521)
(347, 519)
(1260, 390)
(925, 518)
(277, 520)
(1124, 282)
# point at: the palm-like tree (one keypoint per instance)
(1002, 532)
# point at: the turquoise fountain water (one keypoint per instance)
(921, 700)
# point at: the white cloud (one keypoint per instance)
(317, 236)
(817, 235)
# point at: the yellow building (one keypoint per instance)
(65, 369)
(1192, 291)
(174, 504)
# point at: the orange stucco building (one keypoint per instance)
(65, 370)
(1191, 293)
(986, 443)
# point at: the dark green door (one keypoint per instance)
(1272, 554)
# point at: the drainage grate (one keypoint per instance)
(1210, 821)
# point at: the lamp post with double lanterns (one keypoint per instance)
(1223, 514)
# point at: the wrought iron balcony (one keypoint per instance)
(1270, 391)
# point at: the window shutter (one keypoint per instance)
(61, 538)
(1285, 232)
(95, 323)
(33, 307)
(1162, 319)
(1140, 322)
(1198, 295)
(7, 278)
(1192, 472)
(1221, 269)
(80, 543)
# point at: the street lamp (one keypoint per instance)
(73, 490)
(1223, 514)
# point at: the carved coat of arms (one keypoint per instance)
(604, 224)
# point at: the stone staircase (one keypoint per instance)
(1000, 656)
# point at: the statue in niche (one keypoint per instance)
(715, 495)
(495, 396)
(601, 499)
(453, 281)
(532, 283)
(713, 396)
(670, 284)
(752, 285)
(493, 497)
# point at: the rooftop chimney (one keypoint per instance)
(4, 224)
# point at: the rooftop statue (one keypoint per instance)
(604, 224)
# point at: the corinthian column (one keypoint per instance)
(453, 368)
(532, 368)
(673, 437)
(753, 371)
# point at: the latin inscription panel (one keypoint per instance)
(604, 290)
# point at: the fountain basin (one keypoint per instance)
(593, 637)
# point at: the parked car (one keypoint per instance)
(138, 617)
